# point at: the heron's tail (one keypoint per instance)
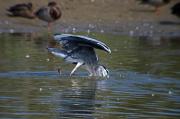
(58, 52)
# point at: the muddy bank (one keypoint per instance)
(104, 16)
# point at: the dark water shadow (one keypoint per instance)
(169, 23)
(160, 41)
(54, 75)
(143, 10)
(41, 75)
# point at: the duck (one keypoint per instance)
(22, 10)
(49, 13)
(175, 10)
(156, 3)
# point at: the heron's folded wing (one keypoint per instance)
(70, 41)
(68, 57)
(58, 52)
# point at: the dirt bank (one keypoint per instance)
(105, 16)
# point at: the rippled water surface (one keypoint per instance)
(144, 80)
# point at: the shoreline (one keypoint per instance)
(131, 28)
(101, 16)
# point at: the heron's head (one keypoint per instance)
(102, 71)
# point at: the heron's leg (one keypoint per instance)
(75, 68)
(49, 26)
(157, 11)
(59, 71)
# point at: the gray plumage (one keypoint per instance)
(79, 50)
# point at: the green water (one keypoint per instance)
(144, 80)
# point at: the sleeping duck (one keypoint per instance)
(156, 3)
(175, 10)
(22, 10)
(49, 13)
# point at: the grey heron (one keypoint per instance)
(79, 50)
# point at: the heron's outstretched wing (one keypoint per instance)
(71, 42)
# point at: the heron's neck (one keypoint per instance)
(91, 70)
(97, 70)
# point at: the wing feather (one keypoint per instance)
(71, 41)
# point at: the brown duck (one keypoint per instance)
(175, 10)
(156, 3)
(22, 10)
(49, 13)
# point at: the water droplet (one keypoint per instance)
(170, 92)
(74, 30)
(88, 31)
(102, 31)
(27, 56)
(91, 26)
(145, 24)
(118, 99)
(66, 30)
(11, 30)
(137, 28)
(47, 59)
(131, 33)
(151, 26)
(149, 78)
(115, 50)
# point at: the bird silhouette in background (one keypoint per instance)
(49, 13)
(22, 10)
(175, 10)
(79, 50)
(156, 3)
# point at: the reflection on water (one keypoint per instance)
(144, 80)
(77, 101)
